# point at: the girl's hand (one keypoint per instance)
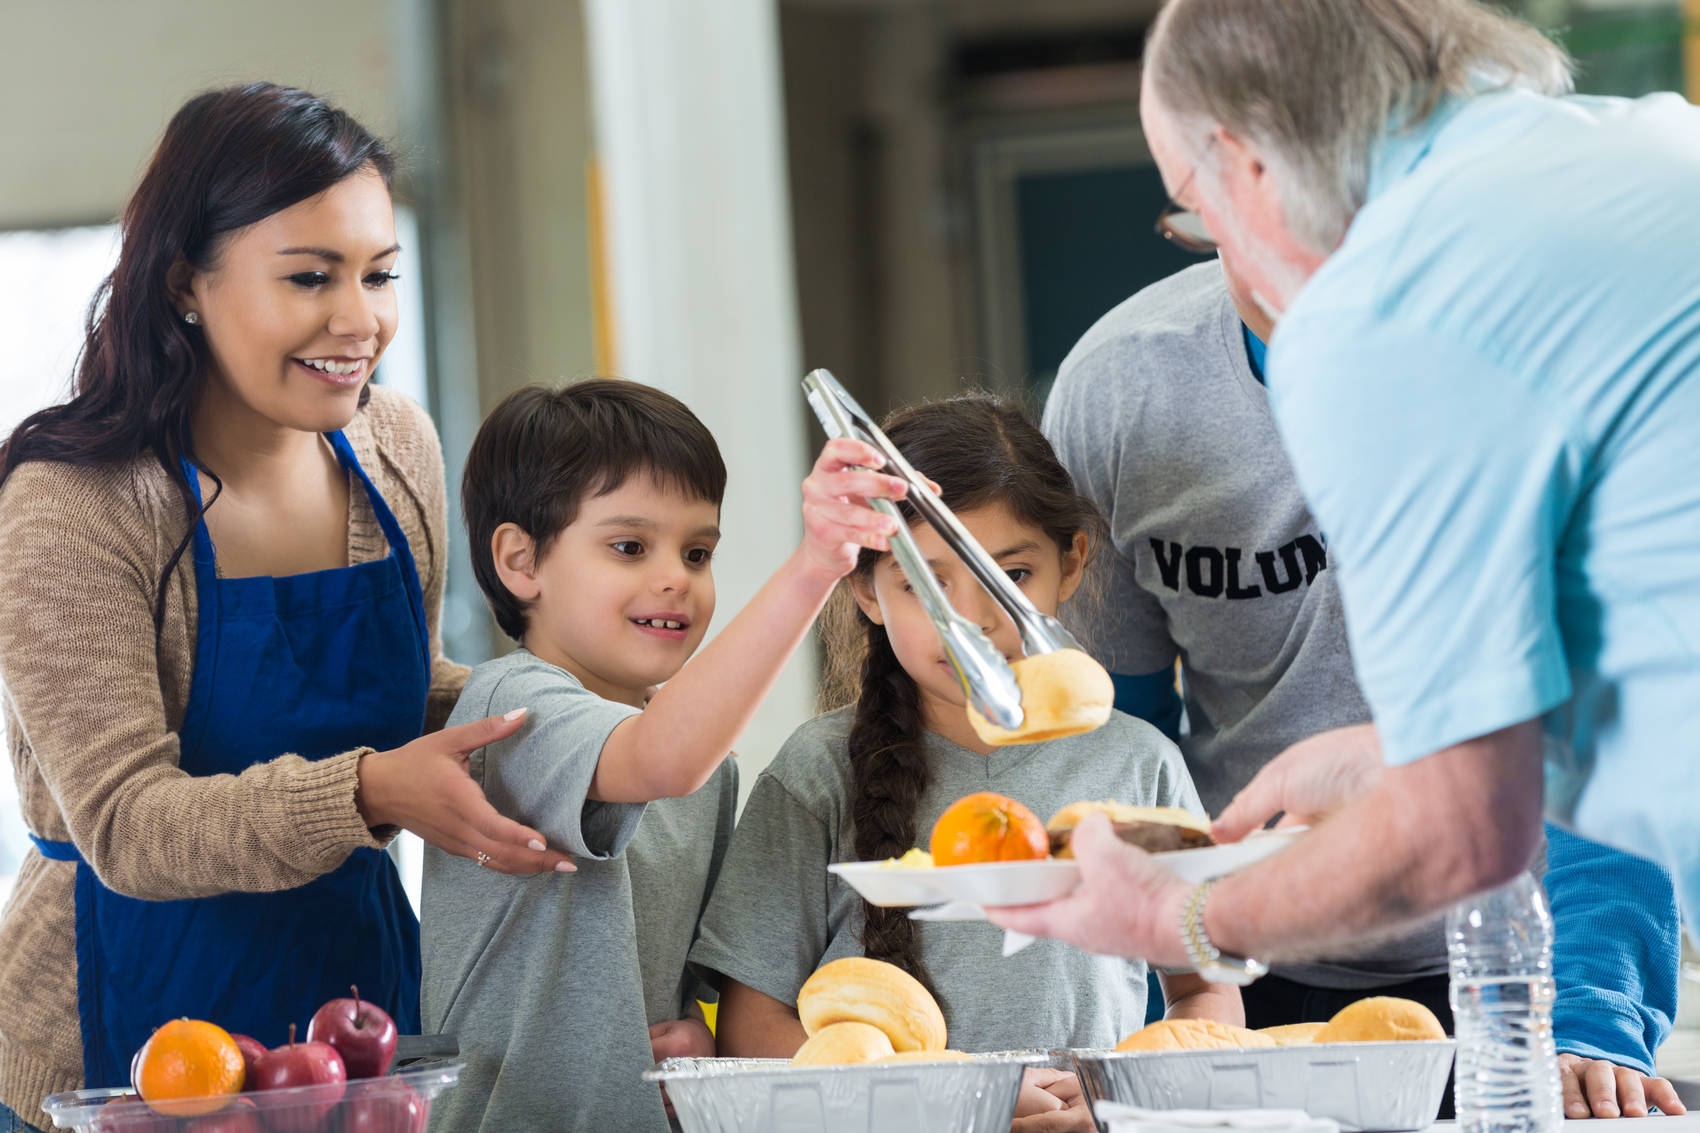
(424, 787)
(837, 521)
(679, 1038)
(1051, 1101)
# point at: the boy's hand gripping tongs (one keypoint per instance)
(986, 677)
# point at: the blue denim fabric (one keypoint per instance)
(11, 1123)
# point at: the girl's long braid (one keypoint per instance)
(980, 450)
(888, 769)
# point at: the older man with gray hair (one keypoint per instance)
(1486, 371)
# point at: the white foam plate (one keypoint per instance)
(1027, 883)
(994, 883)
(1208, 862)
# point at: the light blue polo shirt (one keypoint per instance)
(1491, 394)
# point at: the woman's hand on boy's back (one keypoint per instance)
(837, 521)
(425, 787)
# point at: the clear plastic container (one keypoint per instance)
(398, 1102)
(1502, 993)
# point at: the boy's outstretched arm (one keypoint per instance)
(676, 743)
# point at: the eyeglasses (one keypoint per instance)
(1186, 230)
(1183, 227)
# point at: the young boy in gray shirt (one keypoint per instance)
(593, 511)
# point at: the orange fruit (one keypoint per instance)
(988, 827)
(188, 1068)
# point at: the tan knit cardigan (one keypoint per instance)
(92, 705)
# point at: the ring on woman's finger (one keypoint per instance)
(481, 858)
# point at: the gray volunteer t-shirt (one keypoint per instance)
(551, 982)
(777, 915)
(1159, 418)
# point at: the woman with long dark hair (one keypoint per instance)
(221, 566)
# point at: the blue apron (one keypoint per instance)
(314, 664)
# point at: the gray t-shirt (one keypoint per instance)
(777, 915)
(551, 982)
(1159, 418)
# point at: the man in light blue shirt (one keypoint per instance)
(1487, 375)
(1161, 416)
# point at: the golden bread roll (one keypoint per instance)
(1193, 1034)
(843, 1044)
(1062, 694)
(1382, 1019)
(1155, 829)
(859, 990)
(929, 1056)
(1292, 1034)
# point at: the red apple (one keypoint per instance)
(296, 1065)
(252, 1051)
(384, 1105)
(240, 1116)
(363, 1033)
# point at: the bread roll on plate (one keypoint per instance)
(859, 990)
(843, 1044)
(1193, 1034)
(1154, 829)
(1382, 1019)
(1062, 694)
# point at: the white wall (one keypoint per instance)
(88, 85)
(690, 133)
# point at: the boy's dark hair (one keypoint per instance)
(543, 451)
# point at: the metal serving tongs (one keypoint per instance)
(986, 677)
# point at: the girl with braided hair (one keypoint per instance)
(867, 781)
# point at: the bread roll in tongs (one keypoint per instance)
(1056, 689)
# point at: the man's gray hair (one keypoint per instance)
(1316, 84)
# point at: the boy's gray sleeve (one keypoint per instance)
(767, 925)
(541, 775)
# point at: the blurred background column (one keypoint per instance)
(698, 279)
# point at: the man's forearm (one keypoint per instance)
(1457, 822)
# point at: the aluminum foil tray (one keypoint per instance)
(749, 1095)
(1372, 1087)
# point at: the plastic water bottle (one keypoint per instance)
(1502, 992)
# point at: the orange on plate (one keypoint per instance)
(988, 827)
(188, 1068)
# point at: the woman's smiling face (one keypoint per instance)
(298, 307)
